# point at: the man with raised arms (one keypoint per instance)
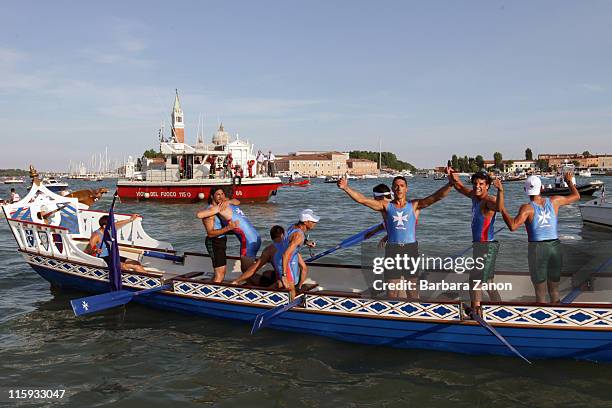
(484, 209)
(216, 240)
(287, 260)
(401, 215)
(544, 248)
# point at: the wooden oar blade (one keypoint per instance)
(263, 319)
(494, 332)
(92, 304)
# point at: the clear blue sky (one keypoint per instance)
(431, 78)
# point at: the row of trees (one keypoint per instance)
(473, 164)
(13, 172)
(388, 159)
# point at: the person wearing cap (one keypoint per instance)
(382, 192)
(484, 245)
(544, 248)
(401, 215)
(287, 260)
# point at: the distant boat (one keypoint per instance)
(331, 179)
(14, 180)
(584, 173)
(584, 189)
(597, 212)
(56, 186)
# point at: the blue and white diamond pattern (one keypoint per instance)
(387, 308)
(554, 316)
(139, 281)
(232, 294)
(68, 267)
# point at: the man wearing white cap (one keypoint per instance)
(544, 250)
(287, 261)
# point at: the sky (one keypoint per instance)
(428, 79)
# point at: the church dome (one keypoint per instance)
(221, 137)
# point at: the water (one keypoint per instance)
(138, 356)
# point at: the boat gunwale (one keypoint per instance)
(328, 293)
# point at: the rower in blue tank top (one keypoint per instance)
(294, 268)
(483, 227)
(401, 217)
(271, 254)
(401, 223)
(295, 238)
(544, 250)
(249, 238)
(543, 225)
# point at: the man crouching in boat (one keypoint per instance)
(401, 218)
(216, 240)
(484, 210)
(271, 254)
(96, 246)
(288, 260)
(540, 219)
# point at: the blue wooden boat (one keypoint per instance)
(581, 331)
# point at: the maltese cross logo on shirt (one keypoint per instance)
(399, 220)
(544, 218)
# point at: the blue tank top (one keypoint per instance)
(102, 245)
(482, 227)
(294, 266)
(250, 240)
(543, 227)
(401, 224)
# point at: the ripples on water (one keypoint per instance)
(136, 356)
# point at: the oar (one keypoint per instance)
(350, 241)
(494, 332)
(92, 304)
(570, 297)
(263, 319)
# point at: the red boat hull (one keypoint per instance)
(143, 191)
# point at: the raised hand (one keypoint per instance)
(342, 183)
(568, 176)
(498, 184)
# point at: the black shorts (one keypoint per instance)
(392, 250)
(216, 248)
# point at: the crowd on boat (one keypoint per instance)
(223, 217)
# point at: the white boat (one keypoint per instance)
(13, 180)
(597, 212)
(585, 173)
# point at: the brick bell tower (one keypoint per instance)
(178, 125)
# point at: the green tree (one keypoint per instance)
(528, 154)
(497, 158)
(479, 160)
(586, 153)
(388, 159)
(455, 162)
(152, 154)
(542, 165)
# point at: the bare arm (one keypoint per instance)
(460, 187)
(92, 245)
(521, 217)
(304, 271)
(209, 224)
(573, 197)
(498, 203)
(376, 205)
(120, 224)
(257, 265)
(208, 212)
(434, 198)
